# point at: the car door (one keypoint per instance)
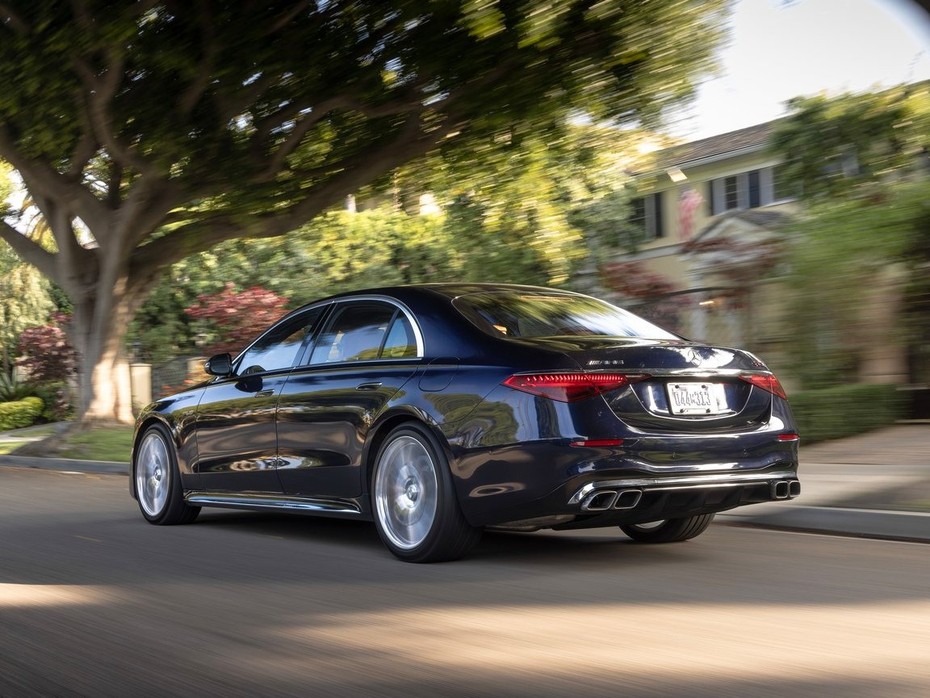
(235, 425)
(364, 354)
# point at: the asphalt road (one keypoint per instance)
(95, 602)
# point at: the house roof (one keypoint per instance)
(749, 139)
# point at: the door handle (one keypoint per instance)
(264, 393)
(368, 386)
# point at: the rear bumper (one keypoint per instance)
(560, 486)
(626, 493)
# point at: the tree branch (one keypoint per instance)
(44, 180)
(198, 236)
(294, 138)
(286, 17)
(196, 89)
(98, 92)
(30, 251)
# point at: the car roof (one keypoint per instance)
(449, 290)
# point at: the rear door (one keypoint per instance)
(363, 356)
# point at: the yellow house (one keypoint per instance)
(710, 222)
(697, 187)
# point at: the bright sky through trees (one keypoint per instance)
(780, 49)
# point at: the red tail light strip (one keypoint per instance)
(596, 443)
(766, 381)
(571, 386)
(789, 437)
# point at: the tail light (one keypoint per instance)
(571, 386)
(766, 381)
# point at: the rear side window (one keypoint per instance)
(357, 332)
(401, 342)
(528, 314)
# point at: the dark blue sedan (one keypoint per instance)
(440, 410)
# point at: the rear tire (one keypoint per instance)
(158, 482)
(670, 530)
(413, 499)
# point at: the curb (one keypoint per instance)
(858, 523)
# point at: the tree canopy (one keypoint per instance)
(147, 131)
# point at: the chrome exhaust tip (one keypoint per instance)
(601, 500)
(780, 489)
(628, 499)
(794, 488)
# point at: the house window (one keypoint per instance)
(646, 217)
(731, 193)
(746, 190)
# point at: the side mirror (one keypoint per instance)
(219, 365)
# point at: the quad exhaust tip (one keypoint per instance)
(603, 500)
(786, 489)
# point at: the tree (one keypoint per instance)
(148, 131)
(24, 302)
(834, 146)
(233, 318)
(860, 164)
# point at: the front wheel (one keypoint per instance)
(668, 530)
(415, 508)
(158, 482)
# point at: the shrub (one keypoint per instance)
(57, 399)
(846, 410)
(46, 353)
(20, 413)
(234, 318)
(11, 390)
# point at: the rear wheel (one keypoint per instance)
(413, 500)
(668, 530)
(158, 482)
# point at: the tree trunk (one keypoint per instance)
(99, 327)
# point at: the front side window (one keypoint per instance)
(279, 347)
(523, 315)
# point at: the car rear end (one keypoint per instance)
(624, 430)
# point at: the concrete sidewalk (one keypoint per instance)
(876, 485)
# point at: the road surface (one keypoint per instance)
(95, 602)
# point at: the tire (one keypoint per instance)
(669, 530)
(158, 482)
(413, 500)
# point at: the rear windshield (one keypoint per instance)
(524, 315)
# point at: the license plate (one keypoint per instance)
(697, 398)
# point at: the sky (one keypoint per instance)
(779, 49)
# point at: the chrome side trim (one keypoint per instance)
(683, 482)
(266, 502)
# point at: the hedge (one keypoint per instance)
(846, 410)
(20, 413)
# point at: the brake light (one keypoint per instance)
(572, 386)
(766, 381)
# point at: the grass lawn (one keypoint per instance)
(103, 443)
(21, 436)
